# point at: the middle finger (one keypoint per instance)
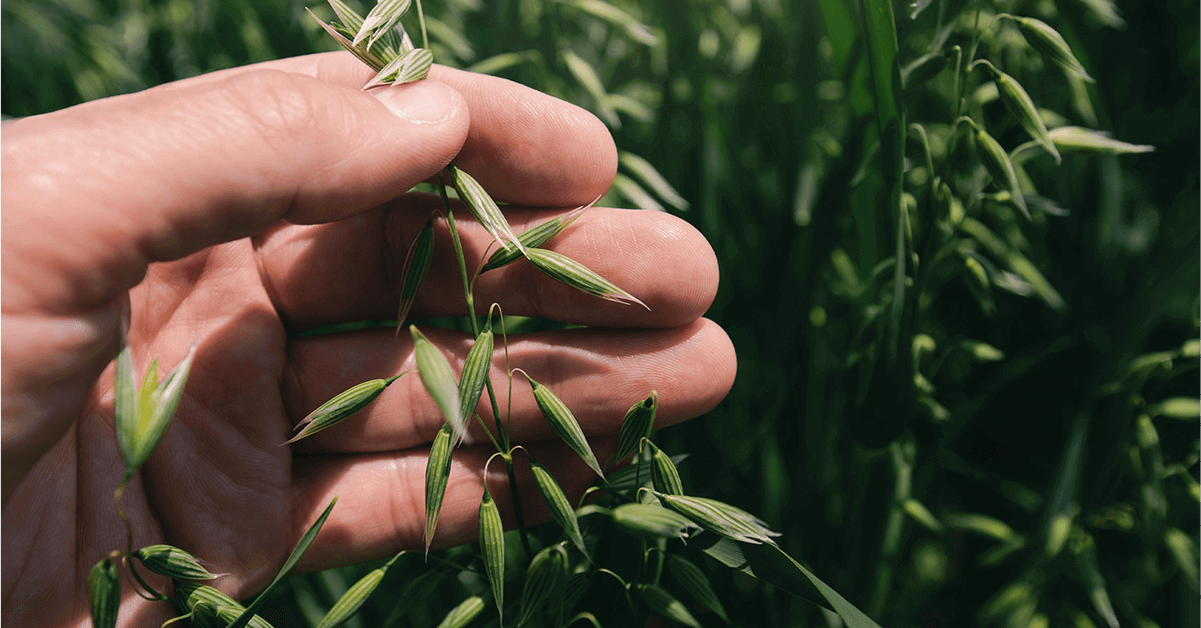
(597, 373)
(352, 270)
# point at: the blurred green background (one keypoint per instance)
(1042, 467)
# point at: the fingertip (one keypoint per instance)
(686, 293)
(528, 148)
(430, 122)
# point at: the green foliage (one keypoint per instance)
(989, 428)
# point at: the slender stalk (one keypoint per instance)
(506, 453)
(454, 234)
(425, 39)
(121, 513)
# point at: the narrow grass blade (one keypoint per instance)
(439, 381)
(663, 603)
(437, 475)
(104, 593)
(1019, 104)
(556, 501)
(484, 209)
(202, 599)
(536, 236)
(413, 65)
(172, 562)
(301, 548)
(383, 16)
(573, 274)
(720, 518)
(692, 580)
(653, 522)
(591, 82)
(475, 373)
(772, 565)
(492, 547)
(503, 61)
(349, 603)
(634, 193)
(564, 423)
(923, 69)
(643, 169)
(417, 263)
(341, 407)
(464, 613)
(637, 425)
(546, 576)
(636, 30)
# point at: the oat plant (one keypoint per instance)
(640, 510)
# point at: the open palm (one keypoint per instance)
(261, 201)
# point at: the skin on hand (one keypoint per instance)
(226, 209)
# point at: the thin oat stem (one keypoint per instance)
(475, 328)
(480, 420)
(501, 429)
(454, 234)
(425, 39)
(971, 55)
(121, 513)
(518, 513)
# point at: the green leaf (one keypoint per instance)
(591, 82)
(643, 169)
(663, 603)
(883, 61)
(301, 548)
(693, 580)
(770, 564)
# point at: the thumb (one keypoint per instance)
(94, 193)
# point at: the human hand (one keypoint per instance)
(235, 206)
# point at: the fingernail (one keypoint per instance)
(421, 102)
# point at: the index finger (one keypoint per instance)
(525, 147)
